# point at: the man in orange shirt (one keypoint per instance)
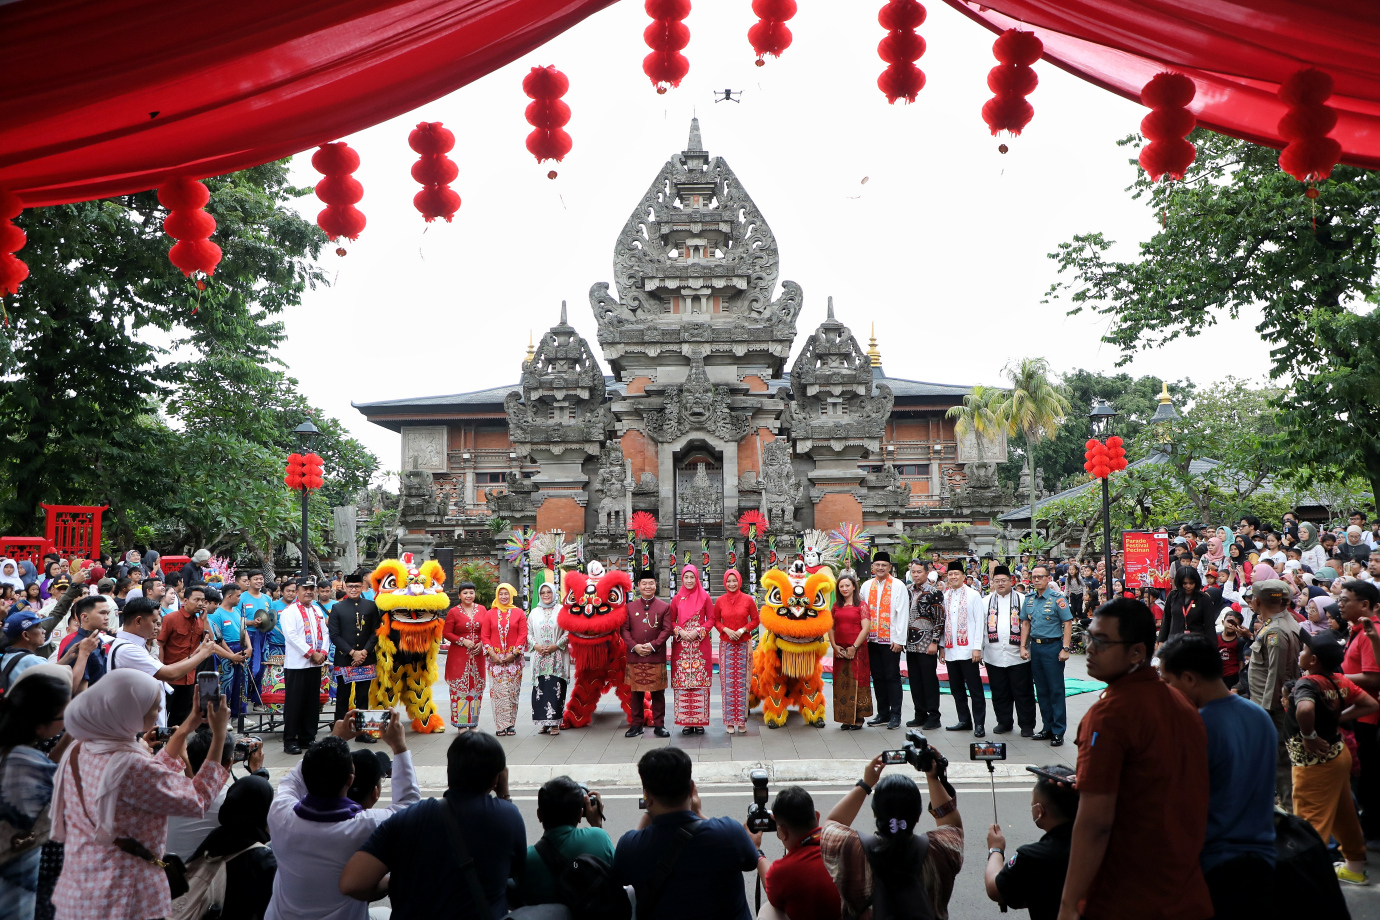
(179, 637)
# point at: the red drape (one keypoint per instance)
(1236, 51)
(106, 97)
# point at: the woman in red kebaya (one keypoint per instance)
(735, 617)
(465, 658)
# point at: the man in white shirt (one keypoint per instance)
(315, 829)
(305, 640)
(1007, 671)
(963, 641)
(888, 609)
(129, 649)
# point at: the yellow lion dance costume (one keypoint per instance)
(786, 667)
(414, 604)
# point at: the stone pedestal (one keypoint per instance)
(418, 544)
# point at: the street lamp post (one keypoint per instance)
(1101, 418)
(306, 433)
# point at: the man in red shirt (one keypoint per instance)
(1142, 782)
(178, 639)
(1359, 604)
(798, 885)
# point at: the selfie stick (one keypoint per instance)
(992, 776)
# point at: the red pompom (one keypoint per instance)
(339, 190)
(545, 83)
(1169, 120)
(335, 159)
(431, 138)
(183, 194)
(10, 205)
(12, 273)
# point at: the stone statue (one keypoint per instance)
(696, 405)
(700, 500)
(418, 499)
(613, 485)
(780, 485)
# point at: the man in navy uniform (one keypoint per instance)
(1046, 636)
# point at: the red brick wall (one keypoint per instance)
(835, 508)
(559, 513)
(490, 438)
(641, 453)
(638, 385)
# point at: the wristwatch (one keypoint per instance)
(999, 850)
(1067, 648)
(862, 784)
(1311, 736)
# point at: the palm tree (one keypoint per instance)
(1035, 405)
(979, 415)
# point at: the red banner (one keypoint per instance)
(1147, 558)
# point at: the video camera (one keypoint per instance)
(759, 819)
(924, 758)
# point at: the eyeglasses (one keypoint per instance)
(1097, 643)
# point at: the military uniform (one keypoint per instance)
(1275, 661)
(1047, 611)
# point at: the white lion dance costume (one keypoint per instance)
(413, 603)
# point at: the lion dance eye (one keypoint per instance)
(615, 596)
(388, 583)
(773, 597)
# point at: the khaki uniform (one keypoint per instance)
(1274, 662)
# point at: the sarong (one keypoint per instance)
(692, 707)
(505, 686)
(548, 700)
(232, 680)
(734, 670)
(467, 694)
(691, 679)
(644, 676)
(852, 697)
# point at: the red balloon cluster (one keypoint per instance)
(304, 471)
(434, 170)
(667, 36)
(770, 35)
(1011, 81)
(1167, 154)
(1310, 153)
(547, 114)
(12, 239)
(1102, 460)
(340, 191)
(190, 226)
(900, 49)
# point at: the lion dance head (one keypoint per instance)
(593, 612)
(797, 609)
(413, 602)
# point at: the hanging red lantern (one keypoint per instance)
(900, 49)
(547, 114)
(1116, 453)
(434, 170)
(1310, 154)
(12, 270)
(312, 472)
(770, 34)
(666, 36)
(1167, 154)
(293, 475)
(1011, 81)
(339, 191)
(189, 225)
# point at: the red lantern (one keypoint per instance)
(12, 239)
(434, 170)
(900, 49)
(339, 191)
(666, 36)
(547, 114)
(1116, 454)
(1012, 80)
(189, 225)
(1310, 154)
(770, 35)
(312, 472)
(1167, 154)
(293, 475)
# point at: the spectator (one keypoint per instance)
(1311, 552)
(186, 832)
(1354, 548)
(193, 572)
(1033, 878)
(1317, 702)
(26, 635)
(1233, 649)
(370, 769)
(316, 829)
(113, 798)
(416, 846)
(1239, 852)
(1359, 605)
(704, 857)
(139, 623)
(895, 873)
(243, 837)
(798, 886)
(30, 712)
(86, 646)
(561, 803)
(1358, 519)
(1188, 609)
(179, 638)
(1140, 746)
(1274, 660)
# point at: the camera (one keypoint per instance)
(924, 758)
(599, 802)
(759, 819)
(244, 746)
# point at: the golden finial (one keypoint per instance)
(1164, 394)
(873, 354)
(530, 352)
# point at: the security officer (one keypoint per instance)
(1274, 662)
(1047, 623)
(1033, 877)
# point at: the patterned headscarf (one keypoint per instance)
(692, 598)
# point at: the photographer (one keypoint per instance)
(798, 886)
(1033, 878)
(898, 873)
(561, 803)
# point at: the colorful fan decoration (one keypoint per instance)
(515, 547)
(849, 541)
(644, 525)
(749, 518)
(547, 549)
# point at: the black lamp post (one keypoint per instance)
(1101, 418)
(306, 433)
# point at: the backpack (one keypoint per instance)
(205, 895)
(586, 885)
(1305, 882)
(8, 670)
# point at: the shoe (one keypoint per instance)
(366, 739)
(1002, 729)
(1043, 734)
(634, 731)
(959, 727)
(894, 723)
(931, 724)
(979, 731)
(1027, 733)
(661, 732)
(880, 720)
(1351, 878)
(688, 730)
(914, 723)
(291, 749)
(1056, 741)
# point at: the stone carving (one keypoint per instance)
(418, 498)
(424, 448)
(834, 395)
(884, 493)
(980, 489)
(647, 485)
(1039, 480)
(613, 485)
(516, 503)
(981, 475)
(780, 486)
(563, 395)
(700, 500)
(697, 405)
(749, 482)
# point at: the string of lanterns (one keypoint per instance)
(189, 224)
(547, 114)
(770, 35)
(1011, 81)
(340, 191)
(434, 170)
(667, 36)
(12, 270)
(1103, 459)
(900, 49)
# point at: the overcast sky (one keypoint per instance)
(944, 247)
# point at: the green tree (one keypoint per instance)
(1237, 234)
(979, 414)
(1035, 406)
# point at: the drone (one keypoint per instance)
(728, 95)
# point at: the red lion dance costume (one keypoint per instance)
(593, 613)
(787, 666)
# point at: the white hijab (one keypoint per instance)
(9, 575)
(105, 719)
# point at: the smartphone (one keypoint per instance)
(987, 750)
(372, 720)
(207, 687)
(163, 732)
(893, 757)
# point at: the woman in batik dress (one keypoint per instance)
(504, 635)
(550, 661)
(465, 658)
(851, 676)
(736, 619)
(692, 664)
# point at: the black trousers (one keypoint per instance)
(180, 703)
(886, 679)
(923, 671)
(342, 696)
(1013, 684)
(301, 704)
(1242, 888)
(965, 678)
(1367, 785)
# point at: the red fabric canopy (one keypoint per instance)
(1236, 51)
(107, 97)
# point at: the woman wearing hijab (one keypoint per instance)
(550, 661)
(465, 658)
(113, 797)
(692, 666)
(1240, 562)
(243, 838)
(504, 635)
(1311, 552)
(736, 618)
(1214, 558)
(9, 575)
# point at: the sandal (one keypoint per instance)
(731, 729)
(544, 730)
(554, 732)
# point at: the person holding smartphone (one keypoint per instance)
(1033, 878)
